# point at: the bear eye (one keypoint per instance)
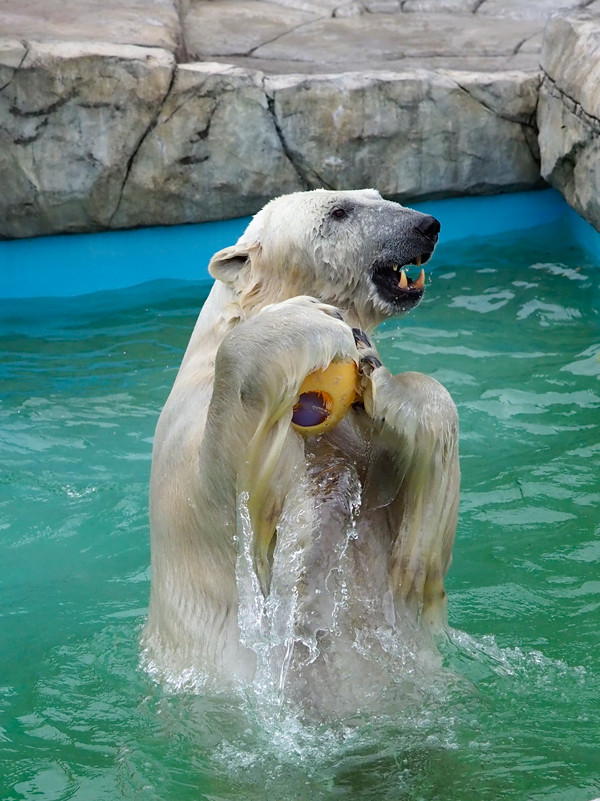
(339, 213)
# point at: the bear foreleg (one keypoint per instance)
(416, 433)
(259, 369)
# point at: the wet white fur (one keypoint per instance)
(225, 430)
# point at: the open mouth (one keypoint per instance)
(393, 284)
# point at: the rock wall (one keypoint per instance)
(569, 112)
(411, 135)
(71, 118)
(98, 136)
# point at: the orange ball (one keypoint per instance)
(324, 397)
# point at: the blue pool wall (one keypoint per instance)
(77, 264)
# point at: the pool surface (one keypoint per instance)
(510, 324)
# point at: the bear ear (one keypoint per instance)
(226, 263)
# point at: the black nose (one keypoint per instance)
(428, 226)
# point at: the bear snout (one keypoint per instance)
(428, 226)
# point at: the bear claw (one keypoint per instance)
(368, 363)
(361, 339)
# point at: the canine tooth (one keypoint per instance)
(420, 282)
(395, 268)
(418, 261)
(403, 282)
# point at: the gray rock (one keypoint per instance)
(437, 6)
(148, 23)
(12, 55)
(520, 62)
(411, 135)
(319, 7)
(213, 152)
(71, 115)
(526, 9)
(236, 27)
(569, 112)
(382, 6)
(352, 9)
(531, 44)
(395, 41)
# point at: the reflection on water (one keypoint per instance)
(512, 328)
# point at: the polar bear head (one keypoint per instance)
(346, 248)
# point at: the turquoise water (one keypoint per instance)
(511, 326)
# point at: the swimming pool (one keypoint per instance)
(510, 324)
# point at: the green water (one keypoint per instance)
(511, 326)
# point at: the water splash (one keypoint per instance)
(286, 628)
(330, 640)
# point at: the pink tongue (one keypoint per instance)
(310, 410)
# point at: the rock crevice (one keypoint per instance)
(571, 103)
(302, 178)
(17, 67)
(138, 146)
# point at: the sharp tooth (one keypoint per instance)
(395, 268)
(420, 282)
(403, 282)
(418, 261)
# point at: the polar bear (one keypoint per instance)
(364, 514)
